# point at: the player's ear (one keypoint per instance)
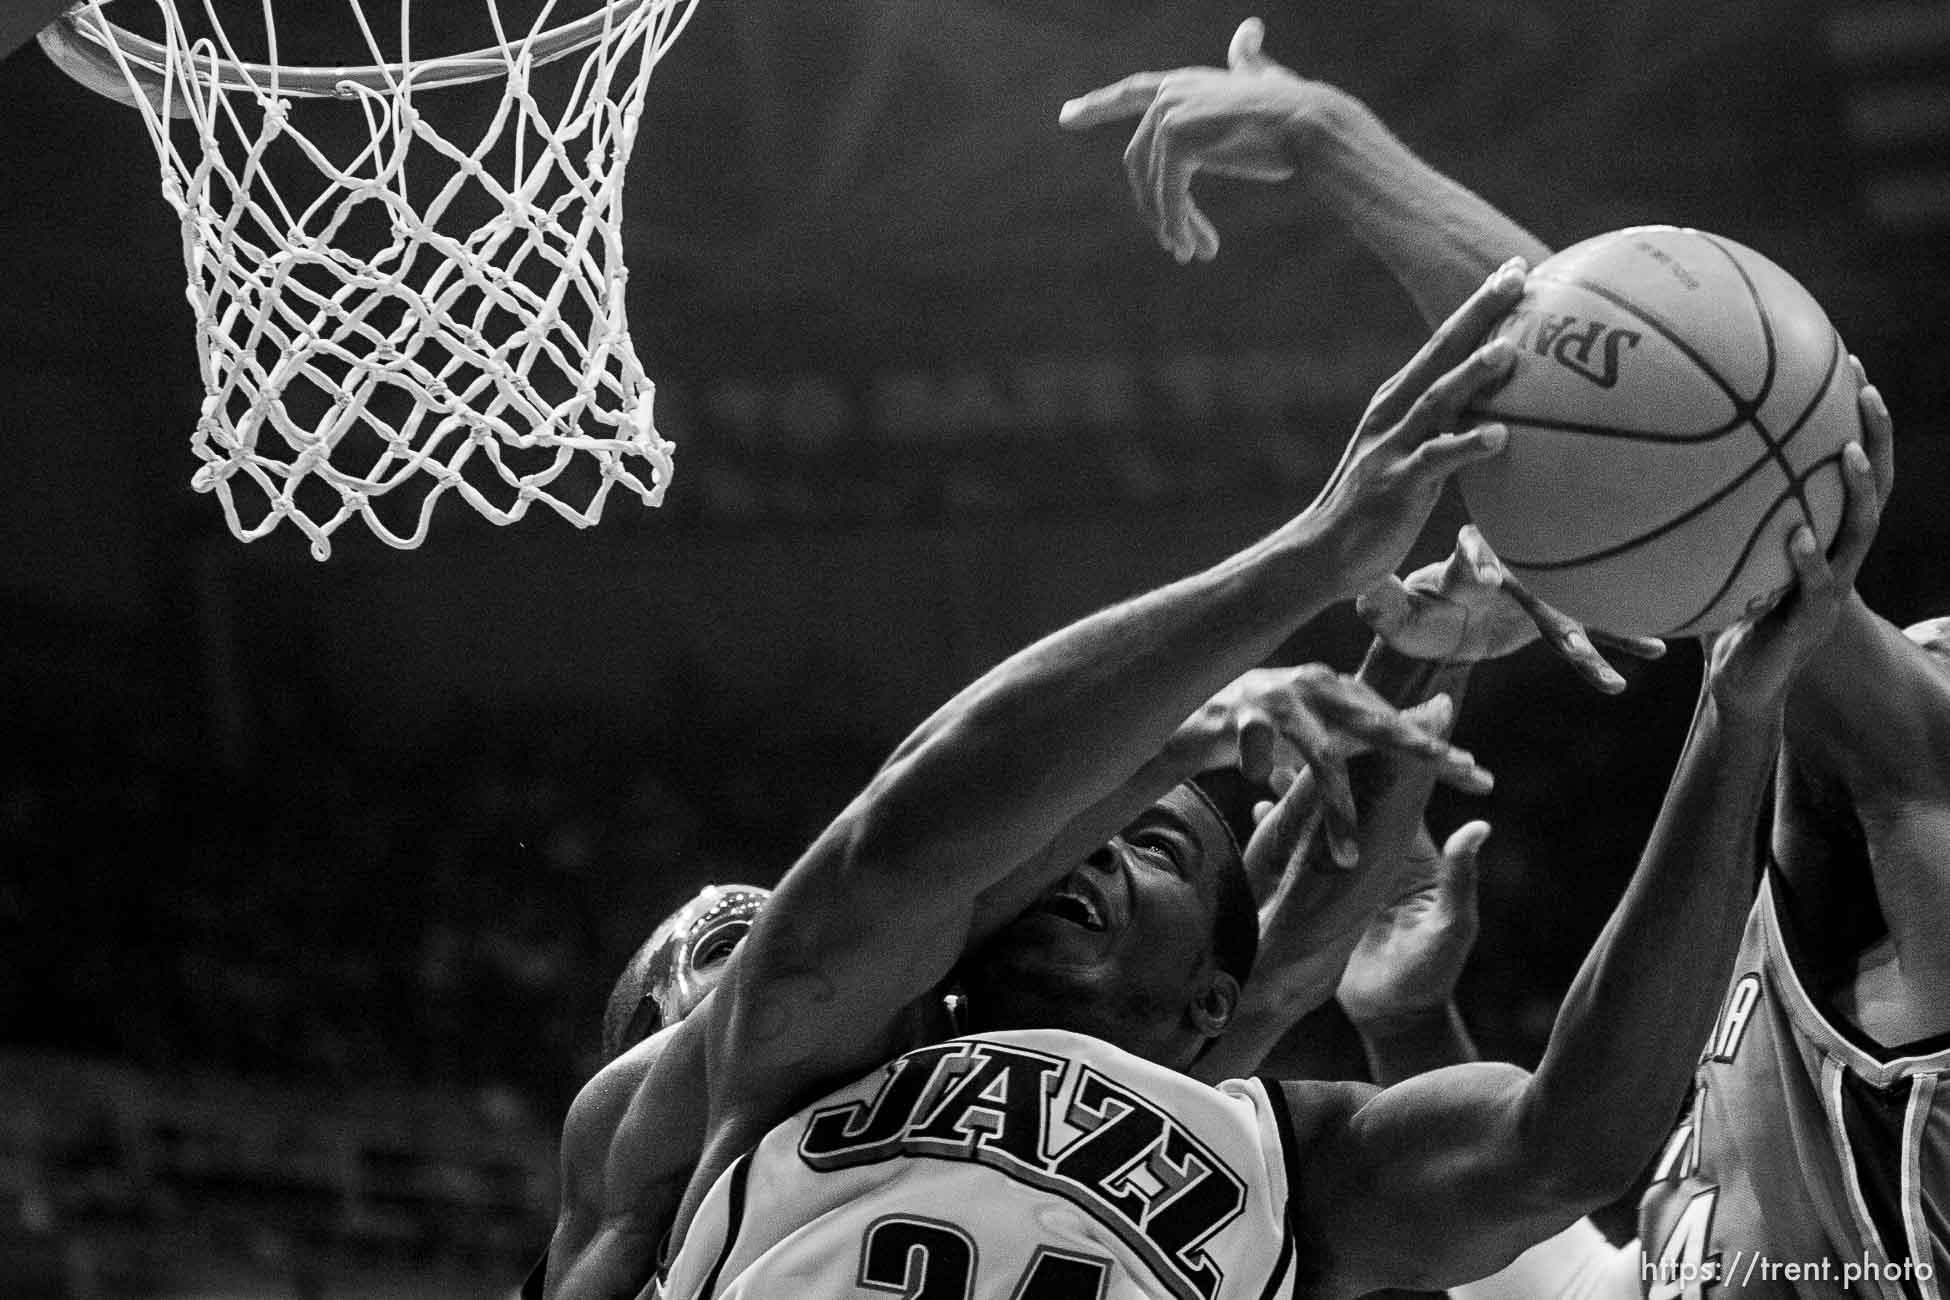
(1213, 1007)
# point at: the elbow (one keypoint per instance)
(1576, 1160)
(1570, 1179)
(1584, 1186)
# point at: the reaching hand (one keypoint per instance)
(1279, 719)
(1878, 431)
(1239, 120)
(1468, 608)
(1750, 665)
(1405, 448)
(1413, 951)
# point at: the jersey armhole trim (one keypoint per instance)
(1277, 1103)
(734, 1220)
(1282, 1112)
(1837, 1035)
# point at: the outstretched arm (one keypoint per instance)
(629, 1143)
(1458, 1170)
(950, 840)
(1399, 992)
(1309, 713)
(1872, 698)
(1866, 772)
(1258, 120)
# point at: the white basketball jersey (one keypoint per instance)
(1027, 1165)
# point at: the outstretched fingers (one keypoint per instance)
(1113, 103)
(1639, 647)
(1336, 791)
(1204, 235)
(1861, 515)
(1282, 783)
(1460, 857)
(1808, 603)
(1172, 192)
(1816, 582)
(1439, 407)
(1878, 430)
(1564, 634)
(1243, 52)
(1438, 452)
(1452, 341)
(1363, 714)
(1137, 168)
(1567, 637)
(1473, 550)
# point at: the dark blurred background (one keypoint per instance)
(313, 877)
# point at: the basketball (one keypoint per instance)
(1679, 404)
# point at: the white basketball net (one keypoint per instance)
(468, 336)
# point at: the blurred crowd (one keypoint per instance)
(446, 914)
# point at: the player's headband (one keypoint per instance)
(1931, 634)
(696, 937)
(1219, 815)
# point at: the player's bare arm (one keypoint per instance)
(1260, 121)
(1399, 993)
(1265, 722)
(629, 1143)
(1456, 1171)
(948, 841)
(635, 1129)
(1865, 773)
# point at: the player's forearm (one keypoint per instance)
(1438, 238)
(1063, 726)
(1629, 1030)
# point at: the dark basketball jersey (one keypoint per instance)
(1811, 1163)
(1028, 1165)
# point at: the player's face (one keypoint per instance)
(1118, 946)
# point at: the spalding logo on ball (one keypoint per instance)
(1678, 405)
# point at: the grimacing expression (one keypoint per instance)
(1114, 947)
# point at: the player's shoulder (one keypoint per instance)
(603, 1100)
(647, 1095)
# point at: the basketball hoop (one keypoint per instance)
(438, 305)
